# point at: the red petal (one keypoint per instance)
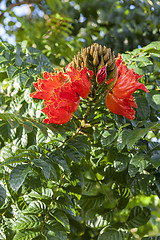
(121, 106)
(56, 116)
(80, 81)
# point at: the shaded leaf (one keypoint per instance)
(88, 202)
(142, 107)
(61, 217)
(122, 139)
(18, 175)
(137, 164)
(112, 234)
(155, 160)
(28, 126)
(2, 195)
(108, 137)
(11, 71)
(44, 166)
(138, 217)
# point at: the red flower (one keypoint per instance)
(120, 100)
(61, 93)
(80, 81)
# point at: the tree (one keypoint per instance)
(97, 176)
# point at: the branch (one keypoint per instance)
(21, 3)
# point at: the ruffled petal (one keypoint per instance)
(61, 93)
(80, 81)
(121, 106)
(56, 116)
(120, 101)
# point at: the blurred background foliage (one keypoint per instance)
(59, 28)
(109, 175)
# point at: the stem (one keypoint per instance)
(19, 4)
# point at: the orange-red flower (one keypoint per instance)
(61, 93)
(120, 100)
(80, 81)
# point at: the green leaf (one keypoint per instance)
(66, 204)
(122, 139)
(27, 222)
(57, 157)
(156, 99)
(5, 131)
(141, 182)
(61, 217)
(72, 153)
(40, 138)
(152, 47)
(81, 143)
(42, 127)
(108, 137)
(144, 59)
(151, 238)
(155, 160)
(12, 122)
(137, 164)
(2, 195)
(21, 202)
(142, 107)
(153, 98)
(28, 126)
(3, 59)
(135, 135)
(112, 234)
(154, 146)
(99, 217)
(121, 162)
(51, 234)
(18, 175)
(11, 71)
(138, 217)
(89, 185)
(16, 159)
(23, 78)
(88, 202)
(26, 235)
(18, 61)
(56, 230)
(36, 207)
(2, 234)
(44, 166)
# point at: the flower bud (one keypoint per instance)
(101, 75)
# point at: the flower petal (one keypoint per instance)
(80, 81)
(56, 116)
(120, 101)
(121, 106)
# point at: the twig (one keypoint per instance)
(19, 4)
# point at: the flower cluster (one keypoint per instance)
(119, 100)
(61, 93)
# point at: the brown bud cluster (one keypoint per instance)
(94, 58)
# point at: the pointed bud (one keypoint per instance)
(101, 75)
(95, 59)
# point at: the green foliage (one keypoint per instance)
(62, 183)
(94, 179)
